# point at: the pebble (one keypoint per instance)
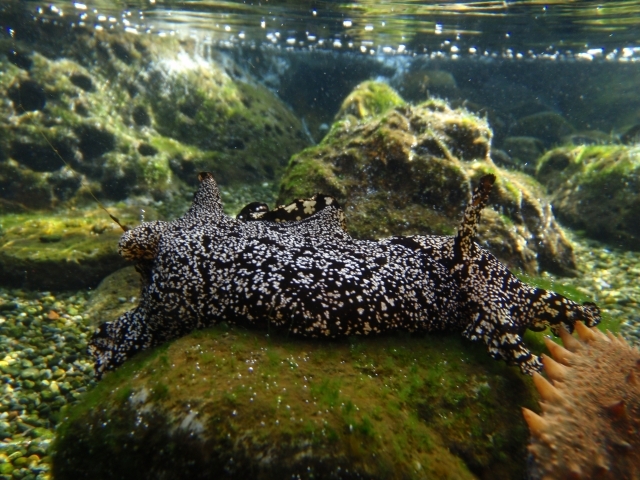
(610, 277)
(44, 366)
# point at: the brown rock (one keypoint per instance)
(408, 171)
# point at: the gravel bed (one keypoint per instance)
(611, 278)
(44, 362)
(44, 366)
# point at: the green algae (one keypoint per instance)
(405, 170)
(251, 132)
(399, 406)
(606, 204)
(369, 99)
(57, 252)
(132, 119)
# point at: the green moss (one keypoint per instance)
(391, 407)
(154, 172)
(369, 99)
(306, 176)
(606, 203)
(60, 251)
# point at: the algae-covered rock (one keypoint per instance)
(408, 170)
(216, 110)
(524, 152)
(58, 252)
(418, 83)
(548, 127)
(367, 100)
(105, 108)
(596, 189)
(116, 294)
(227, 403)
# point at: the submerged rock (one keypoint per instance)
(58, 252)
(369, 99)
(524, 152)
(548, 127)
(596, 189)
(115, 294)
(408, 170)
(106, 107)
(228, 402)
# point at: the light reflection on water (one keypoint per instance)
(519, 29)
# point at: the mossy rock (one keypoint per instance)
(59, 252)
(369, 99)
(101, 113)
(219, 110)
(524, 152)
(548, 127)
(116, 294)
(410, 169)
(596, 189)
(420, 81)
(227, 402)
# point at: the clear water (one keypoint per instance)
(510, 27)
(577, 62)
(502, 53)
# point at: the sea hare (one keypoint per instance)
(296, 269)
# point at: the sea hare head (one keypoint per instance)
(141, 243)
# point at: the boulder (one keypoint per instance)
(230, 403)
(524, 152)
(116, 293)
(59, 252)
(408, 170)
(596, 189)
(548, 127)
(129, 116)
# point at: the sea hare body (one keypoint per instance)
(296, 269)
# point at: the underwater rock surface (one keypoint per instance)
(226, 402)
(57, 252)
(596, 188)
(407, 170)
(131, 116)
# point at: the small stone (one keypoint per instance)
(29, 373)
(15, 455)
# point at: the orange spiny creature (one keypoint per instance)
(590, 422)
